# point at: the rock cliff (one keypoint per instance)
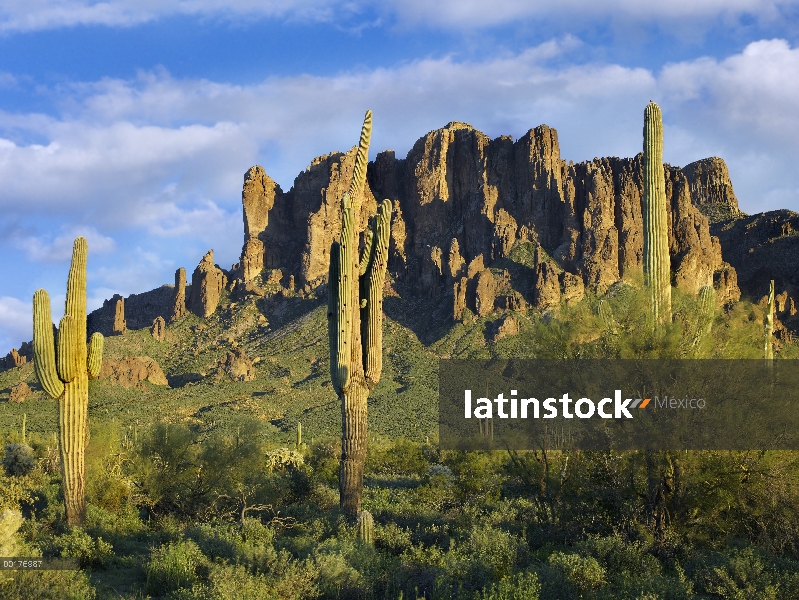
(763, 247)
(711, 189)
(461, 198)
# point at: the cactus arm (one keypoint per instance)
(372, 313)
(361, 159)
(769, 325)
(366, 255)
(76, 295)
(44, 346)
(345, 294)
(657, 267)
(333, 313)
(94, 361)
(66, 362)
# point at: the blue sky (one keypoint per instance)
(132, 122)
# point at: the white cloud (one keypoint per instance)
(16, 323)
(23, 15)
(43, 249)
(168, 154)
(20, 15)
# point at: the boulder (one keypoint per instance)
(19, 392)
(236, 365)
(132, 371)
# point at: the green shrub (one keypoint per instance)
(584, 572)
(620, 559)
(89, 551)
(47, 585)
(174, 566)
(402, 458)
(523, 586)
(737, 574)
(18, 460)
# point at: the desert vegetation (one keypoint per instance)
(206, 490)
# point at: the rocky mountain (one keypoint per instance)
(462, 200)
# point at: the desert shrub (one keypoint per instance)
(120, 523)
(231, 582)
(91, 552)
(48, 585)
(392, 538)
(106, 485)
(174, 566)
(583, 572)
(10, 522)
(324, 459)
(737, 573)
(184, 473)
(402, 458)
(477, 475)
(523, 586)
(620, 559)
(18, 460)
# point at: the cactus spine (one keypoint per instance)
(657, 266)
(769, 324)
(355, 323)
(64, 371)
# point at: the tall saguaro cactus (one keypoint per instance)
(64, 370)
(657, 265)
(355, 323)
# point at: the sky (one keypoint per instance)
(132, 122)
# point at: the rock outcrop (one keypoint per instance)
(711, 189)
(506, 327)
(485, 293)
(179, 298)
(236, 365)
(140, 310)
(119, 326)
(19, 392)
(763, 247)
(293, 231)
(132, 371)
(460, 196)
(207, 283)
(14, 359)
(158, 330)
(257, 199)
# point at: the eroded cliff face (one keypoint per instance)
(461, 198)
(763, 247)
(711, 189)
(293, 230)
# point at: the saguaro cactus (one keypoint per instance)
(355, 323)
(64, 371)
(366, 528)
(769, 324)
(657, 264)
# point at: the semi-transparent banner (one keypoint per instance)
(619, 404)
